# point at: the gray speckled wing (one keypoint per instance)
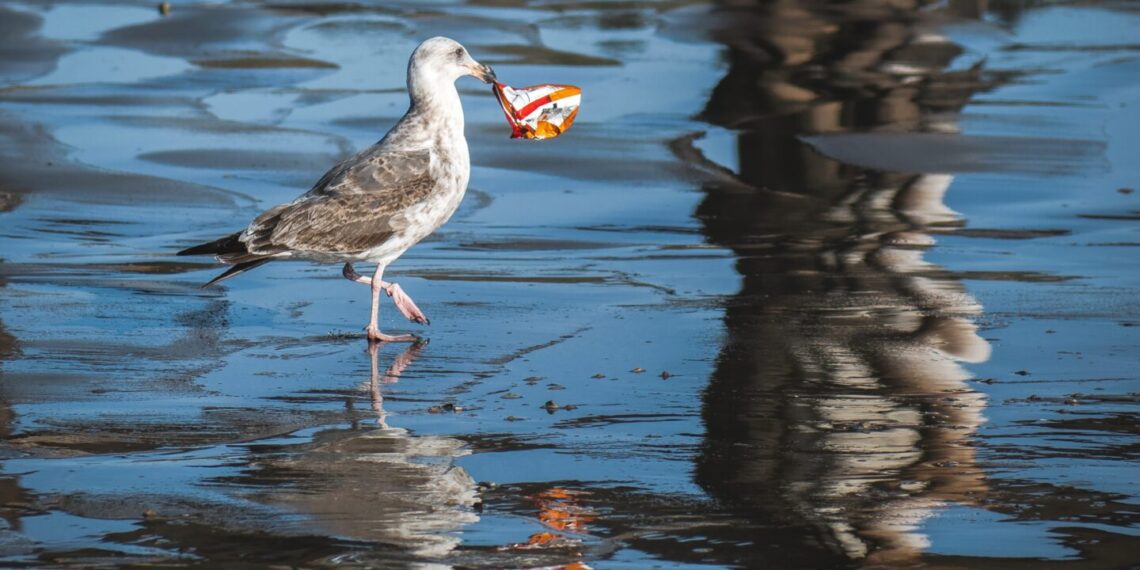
(350, 209)
(377, 169)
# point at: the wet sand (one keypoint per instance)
(807, 285)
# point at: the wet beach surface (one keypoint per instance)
(807, 285)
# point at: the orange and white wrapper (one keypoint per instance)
(539, 111)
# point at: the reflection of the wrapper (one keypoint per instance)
(382, 484)
(559, 510)
(839, 402)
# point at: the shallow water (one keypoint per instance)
(807, 285)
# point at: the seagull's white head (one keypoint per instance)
(443, 60)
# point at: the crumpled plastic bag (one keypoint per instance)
(539, 111)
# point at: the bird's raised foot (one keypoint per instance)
(405, 304)
(374, 335)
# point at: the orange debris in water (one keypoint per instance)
(539, 111)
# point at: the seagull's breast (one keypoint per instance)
(450, 171)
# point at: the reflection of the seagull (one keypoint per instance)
(839, 404)
(382, 484)
(390, 376)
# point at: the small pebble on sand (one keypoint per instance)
(551, 406)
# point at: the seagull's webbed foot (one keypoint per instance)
(405, 304)
(374, 335)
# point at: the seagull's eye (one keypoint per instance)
(459, 53)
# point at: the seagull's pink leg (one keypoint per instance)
(373, 328)
(403, 302)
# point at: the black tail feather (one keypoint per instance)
(228, 244)
(238, 269)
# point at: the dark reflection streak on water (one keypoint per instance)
(24, 55)
(837, 417)
(15, 501)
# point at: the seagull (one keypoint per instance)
(376, 204)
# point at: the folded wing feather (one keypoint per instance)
(348, 210)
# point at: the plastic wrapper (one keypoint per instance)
(539, 111)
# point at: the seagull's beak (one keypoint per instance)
(481, 72)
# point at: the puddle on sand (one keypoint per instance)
(862, 310)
